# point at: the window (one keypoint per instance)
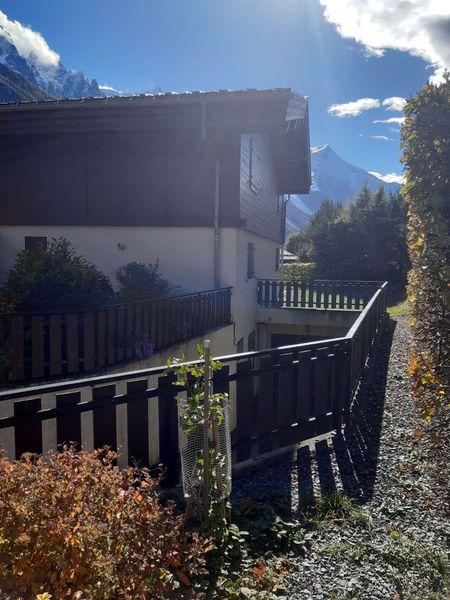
(250, 260)
(240, 346)
(35, 243)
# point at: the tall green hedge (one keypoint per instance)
(426, 146)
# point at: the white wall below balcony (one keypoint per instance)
(185, 254)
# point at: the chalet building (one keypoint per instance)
(198, 181)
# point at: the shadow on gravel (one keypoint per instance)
(349, 460)
(346, 462)
(357, 449)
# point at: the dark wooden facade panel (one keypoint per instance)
(42, 180)
(117, 179)
(260, 207)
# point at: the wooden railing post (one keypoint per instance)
(168, 429)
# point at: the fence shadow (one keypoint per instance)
(356, 450)
(346, 462)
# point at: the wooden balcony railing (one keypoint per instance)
(46, 345)
(281, 396)
(320, 294)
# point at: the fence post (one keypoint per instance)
(350, 377)
(168, 429)
(17, 346)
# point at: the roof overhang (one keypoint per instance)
(293, 148)
(280, 112)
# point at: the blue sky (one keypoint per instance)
(176, 45)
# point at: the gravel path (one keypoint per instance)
(390, 541)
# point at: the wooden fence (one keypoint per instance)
(320, 294)
(45, 345)
(280, 396)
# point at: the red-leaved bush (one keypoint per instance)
(73, 525)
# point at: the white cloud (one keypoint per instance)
(29, 43)
(419, 27)
(395, 103)
(353, 109)
(382, 138)
(438, 76)
(370, 51)
(398, 120)
(389, 177)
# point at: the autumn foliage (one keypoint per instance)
(72, 525)
(426, 144)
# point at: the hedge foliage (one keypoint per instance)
(138, 281)
(426, 145)
(72, 525)
(298, 272)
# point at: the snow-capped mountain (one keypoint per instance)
(15, 88)
(52, 76)
(335, 179)
(296, 218)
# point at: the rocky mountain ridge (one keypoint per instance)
(332, 178)
(53, 79)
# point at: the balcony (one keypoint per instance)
(52, 345)
(295, 312)
(280, 396)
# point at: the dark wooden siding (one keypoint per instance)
(260, 208)
(116, 178)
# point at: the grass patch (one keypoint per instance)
(401, 556)
(399, 310)
(332, 509)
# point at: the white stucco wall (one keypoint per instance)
(184, 253)
(233, 268)
(186, 257)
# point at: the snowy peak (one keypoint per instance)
(336, 179)
(52, 76)
(324, 150)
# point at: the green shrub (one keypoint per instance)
(298, 272)
(299, 244)
(55, 278)
(365, 241)
(74, 525)
(426, 144)
(138, 281)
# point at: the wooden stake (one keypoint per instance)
(206, 393)
(216, 438)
